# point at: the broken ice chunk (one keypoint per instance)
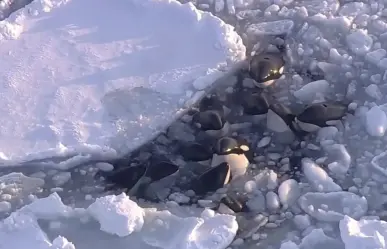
(289, 245)
(21, 230)
(327, 133)
(376, 122)
(219, 5)
(332, 207)
(289, 191)
(117, 214)
(354, 9)
(162, 229)
(61, 178)
(341, 160)
(302, 221)
(327, 7)
(318, 178)
(61, 242)
(379, 163)
(375, 56)
(231, 7)
(267, 179)
(317, 239)
(280, 27)
(313, 91)
(359, 42)
(248, 14)
(17, 184)
(272, 201)
(363, 234)
(383, 64)
(373, 91)
(257, 202)
(49, 207)
(216, 232)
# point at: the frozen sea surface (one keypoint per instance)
(338, 200)
(99, 88)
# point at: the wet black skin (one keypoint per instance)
(255, 103)
(319, 113)
(227, 145)
(212, 179)
(265, 67)
(287, 115)
(195, 152)
(126, 177)
(209, 120)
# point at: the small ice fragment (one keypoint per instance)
(250, 186)
(272, 201)
(219, 5)
(104, 166)
(376, 122)
(231, 7)
(272, 181)
(18, 183)
(265, 141)
(359, 42)
(312, 91)
(289, 245)
(327, 133)
(271, 28)
(373, 91)
(302, 222)
(341, 158)
(5, 206)
(375, 56)
(61, 178)
(383, 64)
(257, 202)
(288, 192)
(316, 237)
(179, 197)
(55, 225)
(62, 243)
(353, 9)
(318, 178)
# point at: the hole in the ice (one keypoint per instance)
(266, 58)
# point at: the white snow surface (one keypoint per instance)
(364, 233)
(117, 215)
(73, 82)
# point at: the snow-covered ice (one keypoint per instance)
(120, 216)
(364, 233)
(117, 214)
(72, 80)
